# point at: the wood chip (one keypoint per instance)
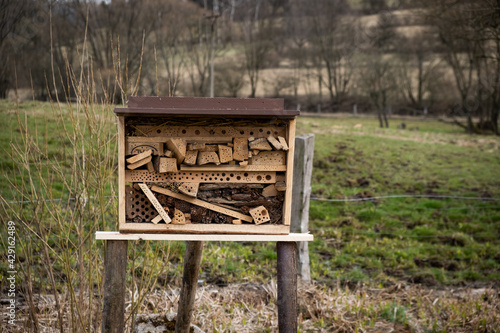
(140, 163)
(275, 143)
(237, 221)
(269, 191)
(140, 156)
(178, 146)
(150, 167)
(196, 146)
(282, 140)
(280, 186)
(243, 163)
(157, 219)
(260, 144)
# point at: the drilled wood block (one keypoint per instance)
(225, 154)
(179, 217)
(269, 158)
(191, 156)
(264, 177)
(137, 205)
(240, 152)
(206, 157)
(260, 215)
(190, 189)
(165, 164)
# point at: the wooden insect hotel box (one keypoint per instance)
(205, 165)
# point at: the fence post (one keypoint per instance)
(115, 266)
(302, 171)
(192, 261)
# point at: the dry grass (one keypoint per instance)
(252, 308)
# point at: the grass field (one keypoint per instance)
(396, 214)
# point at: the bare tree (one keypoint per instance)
(470, 34)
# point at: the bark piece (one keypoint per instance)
(178, 146)
(168, 153)
(240, 149)
(139, 163)
(275, 143)
(260, 144)
(191, 156)
(260, 214)
(225, 154)
(282, 140)
(140, 156)
(280, 186)
(190, 189)
(205, 157)
(269, 191)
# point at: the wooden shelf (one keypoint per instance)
(292, 237)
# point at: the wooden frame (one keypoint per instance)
(164, 131)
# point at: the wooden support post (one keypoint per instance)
(301, 194)
(192, 261)
(115, 265)
(287, 286)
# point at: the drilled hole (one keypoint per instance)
(259, 178)
(184, 131)
(268, 177)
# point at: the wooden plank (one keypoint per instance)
(139, 163)
(144, 176)
(192, 262)
(115, 267)
(289, 237)
(155, 203)
(202, 203)
(226, 168)
(289, 173)
(146, 139)
(287, 286)
(269, 158)
(140, 156)
(121, 171)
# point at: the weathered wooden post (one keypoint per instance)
(115, 265)
(287, 286)
(192, 261)
(301, 194)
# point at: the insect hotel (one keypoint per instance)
(205, 165)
